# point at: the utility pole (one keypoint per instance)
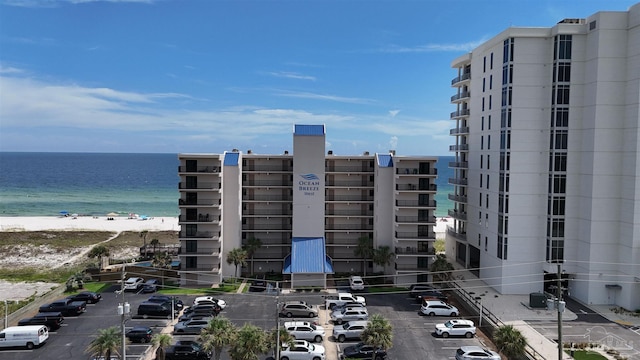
(123, 310)
(560, 310)
(277, 322)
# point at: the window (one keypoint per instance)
(480, 199)
(486, 201)
(482, 123)
(491, 62)
(562, 47)
(481, 142)
(556, 206)
(191, 262)
(489, 124)
(488, 162)
(486, 220)
(484, 64)
(560, 117)
(490, 82)
(562, 72)
(481, 161)
(480, 180)
(490, 96)
(480, 218)
(559, 139)
(486, 243)
(561, 95)
(559, 162)
(487, 181)
(191, 246)
(558, 184)
(482, 104)
(505, 118)
(488, 142)
(499, 250)
(484, 83)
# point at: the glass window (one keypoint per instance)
(489, 122)
(490, 82)
(491, 62)
(484, 64)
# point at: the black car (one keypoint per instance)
(177, 303)
(141, 334)
(210, 309)
(150, 286)
(89, 296)
(258, 284)
(363, 351)
(51, 322)
(431, 294)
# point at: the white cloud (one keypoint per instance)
(393, 113)
(10, 70)
(55, 3)
(309, 95)
(393, 142)
(453, 47)
(291, 75)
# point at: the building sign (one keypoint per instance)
(308, 184)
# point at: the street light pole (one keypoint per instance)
(123, 310)
(277, 322)
(558, 306)
(6, 314)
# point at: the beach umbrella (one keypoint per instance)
(112, 214)
(64, 212)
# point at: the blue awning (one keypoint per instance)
(308, 130)
(307, 256)
(385, 160)
(231, 159)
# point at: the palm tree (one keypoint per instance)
(143, 235)
(250, 247)
(281, 336)
(161, 341)
(382, 256)
(365, 251)
(441, 268)
(154, 242)
(510, 341)
(220, 332)
(378, 333)
(237, 256)
(98, 251)
(250, 342)
(163, 261)
(107, 342)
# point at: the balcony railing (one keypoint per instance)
(459, 164)
(462, 147)
(200, 185)
(258, 227)
(345, 168)
(415, 235)
(457, 198)
(354, 227)
(416, 219)
(348, 198)
(411, 267)
(202, 202)
(345, 183)
(416, 171)
(266, 198)
(409, 250)
(215, 269)
(460, 113)
(458, 235)
(208, 235)
(458, 214)
(201, 218)
(427, 187)
(198, 169)
(416, 203)
(348, 213)
(459, 130)
(458, 181)
(266, 168)
(462, 95)
(267, 183)
(202, 252)
(274, 212)
(463, 77)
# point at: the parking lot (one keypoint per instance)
(413, 334)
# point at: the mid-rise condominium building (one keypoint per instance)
(547, 165)
(309, 210)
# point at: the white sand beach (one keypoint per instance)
(84, 223)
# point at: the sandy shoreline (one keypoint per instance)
(100, 223)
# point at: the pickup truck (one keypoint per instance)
(342, 298)
(186, 350)
(67, 307)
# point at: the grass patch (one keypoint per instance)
(96, 287)
(54, 239)
(197, 291)
(587, 355)
(30, 274)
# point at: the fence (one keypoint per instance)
(32, 307)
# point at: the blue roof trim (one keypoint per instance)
(385, 160)
(231, 159)
(309, 130)
(307, 256)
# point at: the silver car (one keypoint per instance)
(193, 326)
(303, 330)
(349, 330)
(297, 309)
(349, 314)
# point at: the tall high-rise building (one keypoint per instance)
(547, 165)
(310, 210)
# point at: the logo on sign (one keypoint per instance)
(309, 184)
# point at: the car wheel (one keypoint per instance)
(379, 357)
(145, 316)
(318, 338)
(284, 358)
(143, 340)
(29, 345)
(341, 338)
(316, 358)
(469, 335)
(332, 306)
(453, 314)
(289, 315)
(432, 314)
(312, 315)
(339, 321)
(445, 334)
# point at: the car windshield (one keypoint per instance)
(312, 326)
(312, 347)
(448, 324)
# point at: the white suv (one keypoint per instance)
(439, 308)
(303, 330)
(457, 327)
(134, 283)
(356, 283)
(302, 350)
(350, 330)
(349, 314)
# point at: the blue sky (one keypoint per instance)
(184, 76)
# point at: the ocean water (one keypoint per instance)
(44, 184)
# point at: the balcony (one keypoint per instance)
(414, 251)
(202, 252)
(268, 183)
(267, 212)
(349, 169)
(462, 130)
(267, 168)
(457, 198)
(462, 147)
(411, 267)
(215, 269)
(458, 181)
(197, 203)
(201, 218)
(199, 186)
(344, 183)
(459, 164)
(459, 215)
(461, 96)
(460, 113)
(416, 187)
(199, 169)
(416, 203)
(200, 235)
(416, 220)
(416, 171)
(415, 235)
(355, 213)
(347, 198)
(272, 226)
(267, 198)
(348, 227)
(461, 78)
(462, 236)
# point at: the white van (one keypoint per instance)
(29, 336)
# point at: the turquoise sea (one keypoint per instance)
(44, 184)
